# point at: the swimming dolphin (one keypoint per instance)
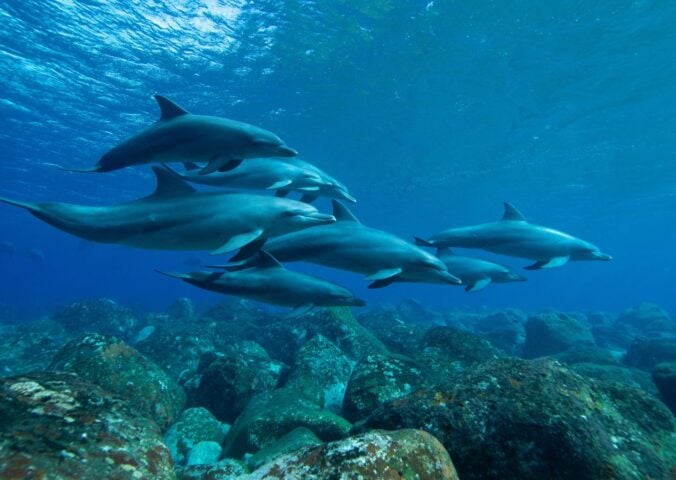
(266, 280)
(351, 246)
(475, 273)
(179, 136)
(516, 237)
(177, 217)
(269, 174)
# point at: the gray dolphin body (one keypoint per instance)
(179, 136)
(476, 273)
(177, 217)
(349, 245)
(516, 237)
(269, 174)
(268, 281)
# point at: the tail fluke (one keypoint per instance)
(422, 242)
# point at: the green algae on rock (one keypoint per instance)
(119, 368)
(194, 425)
(100, 315)
(55, 425)
(294, 440)
(226, 469)
(375, 455)
(512, 418)
(554, 332)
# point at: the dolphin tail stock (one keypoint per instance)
(182, 276)
(17, 203)
(94, 169)
(421, 242)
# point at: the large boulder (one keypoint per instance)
(30, 347)
(321, 371)
(377, 379)
(271, 415)
(102, 315)
(225, 384)
(645, 353)
(649, 319)
(504, 329)
(552, 333)
(617, 375)
(296, 439)
(664, 376)
(586, 354)
(194, 426)
(514, 418)
(376, 455)
(391, 327)
(225, 469)
(58, 426)
(115, 366)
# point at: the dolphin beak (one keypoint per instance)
(452, 279)
(346, 196)
(602, 256)
(284, 151)
(319, 218)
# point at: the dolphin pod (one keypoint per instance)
(177, 217)
(349, 245)
(266, 280)
(514, 236)
(267, 229)
(180, 136)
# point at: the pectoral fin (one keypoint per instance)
(382, 283)
(478, 285)
(220, 164)
(384, 274)
(551, 263)
(300, 310)
(308, 198)
(280, 184)
(238, 241)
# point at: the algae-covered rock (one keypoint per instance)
(226, 469)
(230, 380)
(294, 440)
(616, 374)
(30, 347)
(194, 425)
(512, 418)
(376, 455)
(182, 310)
(645, 353)
(447, 351)
(377, 379)
(204, 453)
(57, 426)
(586, 354)
(392, 329)
(321, 371)
(271, 415)
(649, 319)
(117, 367)
(552, 333)
(504, 329)
(664, 376)
(102, 315)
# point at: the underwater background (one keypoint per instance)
(432, 113)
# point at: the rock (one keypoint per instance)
(376, 455)
(115, 366)
(447, 351)
(664, 376)
(414, 312)
(615, 336)
(242, 319)
(283, 338)
(322, 372)
(183, 309)
(101, 315)
(586, 354)
(226, 469)
(649, 319)
(226, 384)
(59, 426)
(552, 333)
(645, 353)
(377, 379)
(616, 374)
(271, 415)
(294, 440)
(193, 426)
(30, 347)
(204, 453)
(390, 327)
(504, 330)
(513, 418)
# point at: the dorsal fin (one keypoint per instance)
(169, 109)
(445, 251)
(511, 213)
(169, 184)
(342, 214)
(265, 260)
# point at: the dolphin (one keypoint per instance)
(177, 217)
(351, 246)
(516, 237)
(475, 273)
(269, 174)
(266, 280)
(179, 136)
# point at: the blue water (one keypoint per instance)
(432, 113)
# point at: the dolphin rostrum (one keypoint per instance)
(177, 217)
(351, 246)
(516, 237)
(475, 273)
(179, 136)
(269, 174)
(266, 280)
